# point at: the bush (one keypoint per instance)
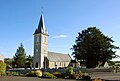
(31, 74)
(69, 71)
(86, 76)
(48, 75)
(57, 74)
(38, 73)
(12, 73)
(78, 75)
(2, 69)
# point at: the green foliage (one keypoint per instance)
(19, 58)
(86, 77)
(31, 74)
(28, 61)
(8, 62)
(48, 75)
(70, 75)
(78, 75)
(99, 64)
(69, 71)
(57, 74)
(12, 73)
(111, 63)
(2, 69)
(38, 73)
(115, 66)
(92, 46)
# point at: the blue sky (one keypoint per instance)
(63, 19)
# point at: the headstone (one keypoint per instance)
(106, 65)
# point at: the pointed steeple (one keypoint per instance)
(41, 26)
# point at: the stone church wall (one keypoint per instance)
(58, 64)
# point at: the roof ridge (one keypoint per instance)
(58, 57)
(57, 53)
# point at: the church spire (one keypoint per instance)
(41, 26)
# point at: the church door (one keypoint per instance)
(36, 65)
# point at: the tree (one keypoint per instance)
(2, 69)
(8, 62)
(20, 56)
(92, 46)
(28, 61)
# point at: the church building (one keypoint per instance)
(42, 57)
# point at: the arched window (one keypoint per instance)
(37, 39)
(64, 65)
(45, 39)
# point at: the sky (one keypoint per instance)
(63, 19)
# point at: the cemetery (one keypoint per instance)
(105, 73)
(73, 74)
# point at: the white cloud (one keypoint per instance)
(60, 36)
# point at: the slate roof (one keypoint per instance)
(41, 26)
(58, 57)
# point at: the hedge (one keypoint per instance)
(2, 69)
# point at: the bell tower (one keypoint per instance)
(40, 45)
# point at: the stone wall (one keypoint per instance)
(59, 64)
(23, 71)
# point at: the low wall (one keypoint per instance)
(94, 70)
(24, 71)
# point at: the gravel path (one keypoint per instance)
(16, 78)
(109, 76)
(106, 75)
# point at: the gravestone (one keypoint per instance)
(106, 65)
